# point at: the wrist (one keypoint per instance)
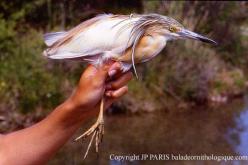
(68, 115)
(78, 109)
(74, 104)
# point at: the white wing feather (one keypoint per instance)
(100, 37)
(51, 38)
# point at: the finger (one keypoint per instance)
(123, 80)
(117, 93)
(102, 72)
(111, 100)
(114, 68)
(114, 96)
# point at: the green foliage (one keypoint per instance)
(7, 34)
(24, 77)
(224, 19)
(229, 81)
(184, 74)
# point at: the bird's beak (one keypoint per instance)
(192, 35)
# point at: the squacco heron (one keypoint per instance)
(129, 39)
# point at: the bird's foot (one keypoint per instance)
(97, 131)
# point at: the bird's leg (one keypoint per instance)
(97, 130)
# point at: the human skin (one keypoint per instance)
(35, 145)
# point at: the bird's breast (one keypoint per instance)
(147, 48)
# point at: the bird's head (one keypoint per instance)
(174, 30)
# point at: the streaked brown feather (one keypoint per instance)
(76, 30)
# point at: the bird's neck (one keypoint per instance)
(168, 38)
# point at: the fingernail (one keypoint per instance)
(108, 94)
(112, 73)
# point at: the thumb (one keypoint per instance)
(107, 70)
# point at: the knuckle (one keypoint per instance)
(96, 84)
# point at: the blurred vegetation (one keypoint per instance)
(186, 71)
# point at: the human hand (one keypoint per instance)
(107, 80)
(47, 136)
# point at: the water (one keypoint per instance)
(238, 136)
(218, 130)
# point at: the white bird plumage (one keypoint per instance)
(103, 37)
(94, 44)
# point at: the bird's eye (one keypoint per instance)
(172, 29)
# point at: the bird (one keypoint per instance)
(127, 39)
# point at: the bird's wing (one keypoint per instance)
(98, 35)
(51, 38)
